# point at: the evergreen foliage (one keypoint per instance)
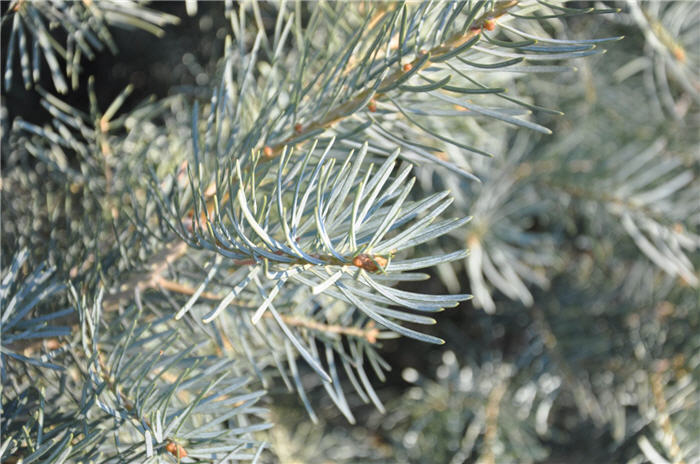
(239, 271)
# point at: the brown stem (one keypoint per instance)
(370, 334)
(493, 407)
(663, 416)
(183, 289)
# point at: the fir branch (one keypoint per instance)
(370, 334)
(349, 107)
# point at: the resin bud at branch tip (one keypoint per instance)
(370, 263)
(176, 450)
(268, 152)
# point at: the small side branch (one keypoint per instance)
(370, 334)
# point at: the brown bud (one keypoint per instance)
(369, 263)
(267, 151)
(298, 128)
(371, 333)
(176, 450)
(407, 67)
(372, 107)
(679, 53)
(489, 24)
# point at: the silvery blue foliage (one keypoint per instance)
(174, 268)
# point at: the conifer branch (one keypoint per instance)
(349, 107)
